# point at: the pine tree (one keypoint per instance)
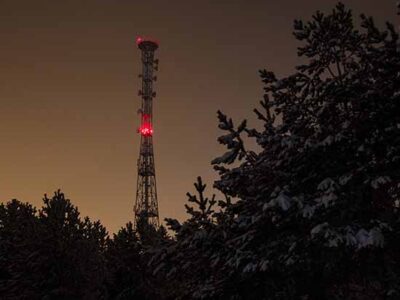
(18, 239)
(128, 254)
(124, 265)
(321, 198)
(72, 252)
(185, 263)
(52, 253)
(316, 211)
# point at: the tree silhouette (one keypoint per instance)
(124, 265)
(18, 239)
(52, 254)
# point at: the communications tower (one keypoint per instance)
(146, 205)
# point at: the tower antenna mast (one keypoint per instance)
(146, 205)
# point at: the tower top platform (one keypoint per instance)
(146, 44)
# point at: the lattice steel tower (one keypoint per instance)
(146, 205)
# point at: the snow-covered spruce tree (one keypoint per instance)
(185, 263)
(318, 206)
(317, 215)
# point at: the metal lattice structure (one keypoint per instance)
(146, 205)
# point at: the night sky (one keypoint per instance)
(68, 91)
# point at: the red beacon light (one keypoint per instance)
(146, 129)
(146, 41)
(138, 40)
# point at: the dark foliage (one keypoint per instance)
(127, 258)
(125, 265)
(50, 254)
(54, 254)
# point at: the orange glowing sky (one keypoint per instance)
(68, 91)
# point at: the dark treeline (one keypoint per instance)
(314, 214)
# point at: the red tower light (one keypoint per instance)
(146, 129)
(144, 40)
